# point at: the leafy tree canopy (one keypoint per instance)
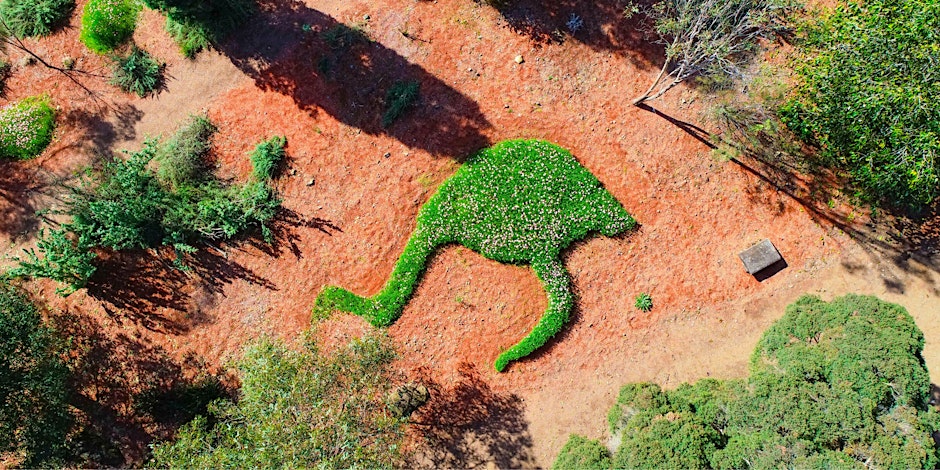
(34, 416)
(297, 410)
(832, 384)
(869, 96)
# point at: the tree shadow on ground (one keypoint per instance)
(782, 167)
(469, 424)
(150, 289)
(116, 384)
(603, 26)
(324, 65)
(284, 232)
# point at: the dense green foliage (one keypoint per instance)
(520, 201)
(838, 384)
(128, 205)
(34, 417)
(137, 72)
(108, 24)
(869, 96)
(26, 127)
(643, 302)
(195, 24)
(581, 453)
(26, 18)
(400, 97)
(297, 410)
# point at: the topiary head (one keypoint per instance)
(610, 218)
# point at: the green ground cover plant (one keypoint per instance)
(108, 24)
(137, 72)
(643, 302)
(26, 18)
(869, 97)
(34, 413)
(832, 384)
(127, 204)
(26, 127)
(520, 202)
(297, 409)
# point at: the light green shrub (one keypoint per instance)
(108, 24)
(26, 127)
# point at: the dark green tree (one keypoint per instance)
(34, 416)
(833, 384)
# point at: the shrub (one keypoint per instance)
(869, 97)
(26, 18)
(126, 205)
(195, 24)
(838, 384)
(137, 72)
(301, 409)
(181, 160)
(108, 24)
(26, 127)
(582, 453)
(520, 201)
(643, 302)
(266, 157)
(34, 417)
(190, 38)
(401, 96)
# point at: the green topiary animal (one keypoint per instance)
(520, 202)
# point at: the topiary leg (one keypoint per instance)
(557, 285)
(386, 306)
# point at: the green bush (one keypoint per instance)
(581, 453)
(196, 24)
(869, 96)
(301, 409)
(520, 201)
(27, 18)
(34, 416)
(108, 24)
(266, 157)
(833, 384)
(137, 72)
(127, 205)
(400, 97)
(190, 38)
(643, 302)
(181, 160)
(26, 127)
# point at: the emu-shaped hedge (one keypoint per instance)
(519, 202)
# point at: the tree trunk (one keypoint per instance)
(646, 96)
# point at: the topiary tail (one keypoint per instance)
(557, 284)
(386, 306)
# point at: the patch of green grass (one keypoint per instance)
(643, 302)
(401, 96)
(26, 127)
(108, 24)
(520, 202)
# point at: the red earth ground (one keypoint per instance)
(352, 190)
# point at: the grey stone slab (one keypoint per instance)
(759, 256)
